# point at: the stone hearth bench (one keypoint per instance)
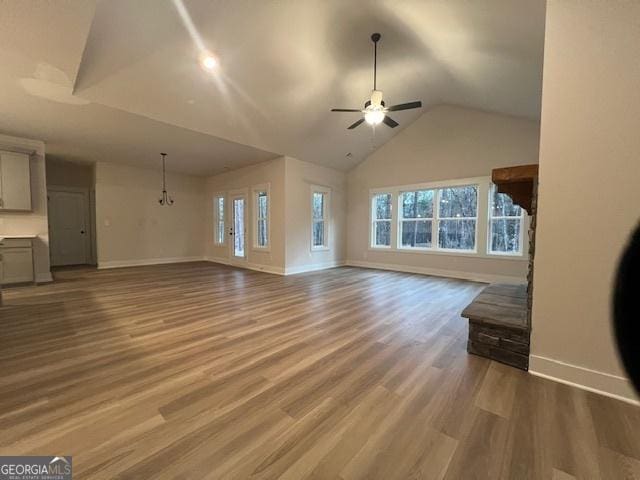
(498, 324)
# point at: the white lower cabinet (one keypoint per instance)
(17, 261)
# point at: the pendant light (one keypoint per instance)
(165, 199)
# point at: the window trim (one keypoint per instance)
(373, 220)
(481, 226)
(438, 219)
(264, 187)
(523, 227)
(326, 217)
(401, 219)
(216, 222)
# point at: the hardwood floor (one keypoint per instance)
(193, 371)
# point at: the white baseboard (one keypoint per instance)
(584, 378)
(313, 267)
(258, 267)
(147, 261)
(473, 276)
(44, 277)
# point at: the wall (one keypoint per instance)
(133, 229)
(36, 221)
(445, 143)
(589, 193)
(74, 175)
(69, 174)
(299, 178)
(271, 172)
(290, 182)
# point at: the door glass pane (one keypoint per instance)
(238, 227)
(221, 232)
(459, 202)
(318, 233)
(505, 235)
(219, 212)
(382, 233)
(221, 208)
(457, 234)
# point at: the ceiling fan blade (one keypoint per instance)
(354, 125)
(345, 110)
(405, 106)
(389, 122)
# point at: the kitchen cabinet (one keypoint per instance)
(15, 181)
(17, 264)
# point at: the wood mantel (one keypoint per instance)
(517, 182)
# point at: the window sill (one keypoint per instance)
(320, 249)
(451, 253)
(506, 255)
(261, 249)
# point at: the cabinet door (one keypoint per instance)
(15, 193)
(17, 265)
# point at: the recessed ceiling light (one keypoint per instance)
(208, 62)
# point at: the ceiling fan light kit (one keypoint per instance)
(375, 111)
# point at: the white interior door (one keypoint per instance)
(68, 228)
(238, 228)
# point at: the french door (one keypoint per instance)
(238, 228)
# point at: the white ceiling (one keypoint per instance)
(120, 81)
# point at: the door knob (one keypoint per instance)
(82, 232)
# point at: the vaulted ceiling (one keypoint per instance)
(120, 81)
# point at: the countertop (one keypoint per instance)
(17, 236)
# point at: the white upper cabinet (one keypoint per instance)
(15, 181)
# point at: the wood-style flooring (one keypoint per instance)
(201, 371)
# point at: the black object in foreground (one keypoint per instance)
(626, 309)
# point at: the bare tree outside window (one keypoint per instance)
(416, 219)
(458, 211)
(505, 224)
(262, 218)
(219, 222)
(320, 218)
(381, 221)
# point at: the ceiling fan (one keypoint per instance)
(375, 111)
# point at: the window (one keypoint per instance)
(416, 219)
(505, 224)
(442, 218)
(457, 216)
(320, 218)
(381, 220)
(261, 217)
(218, 220)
